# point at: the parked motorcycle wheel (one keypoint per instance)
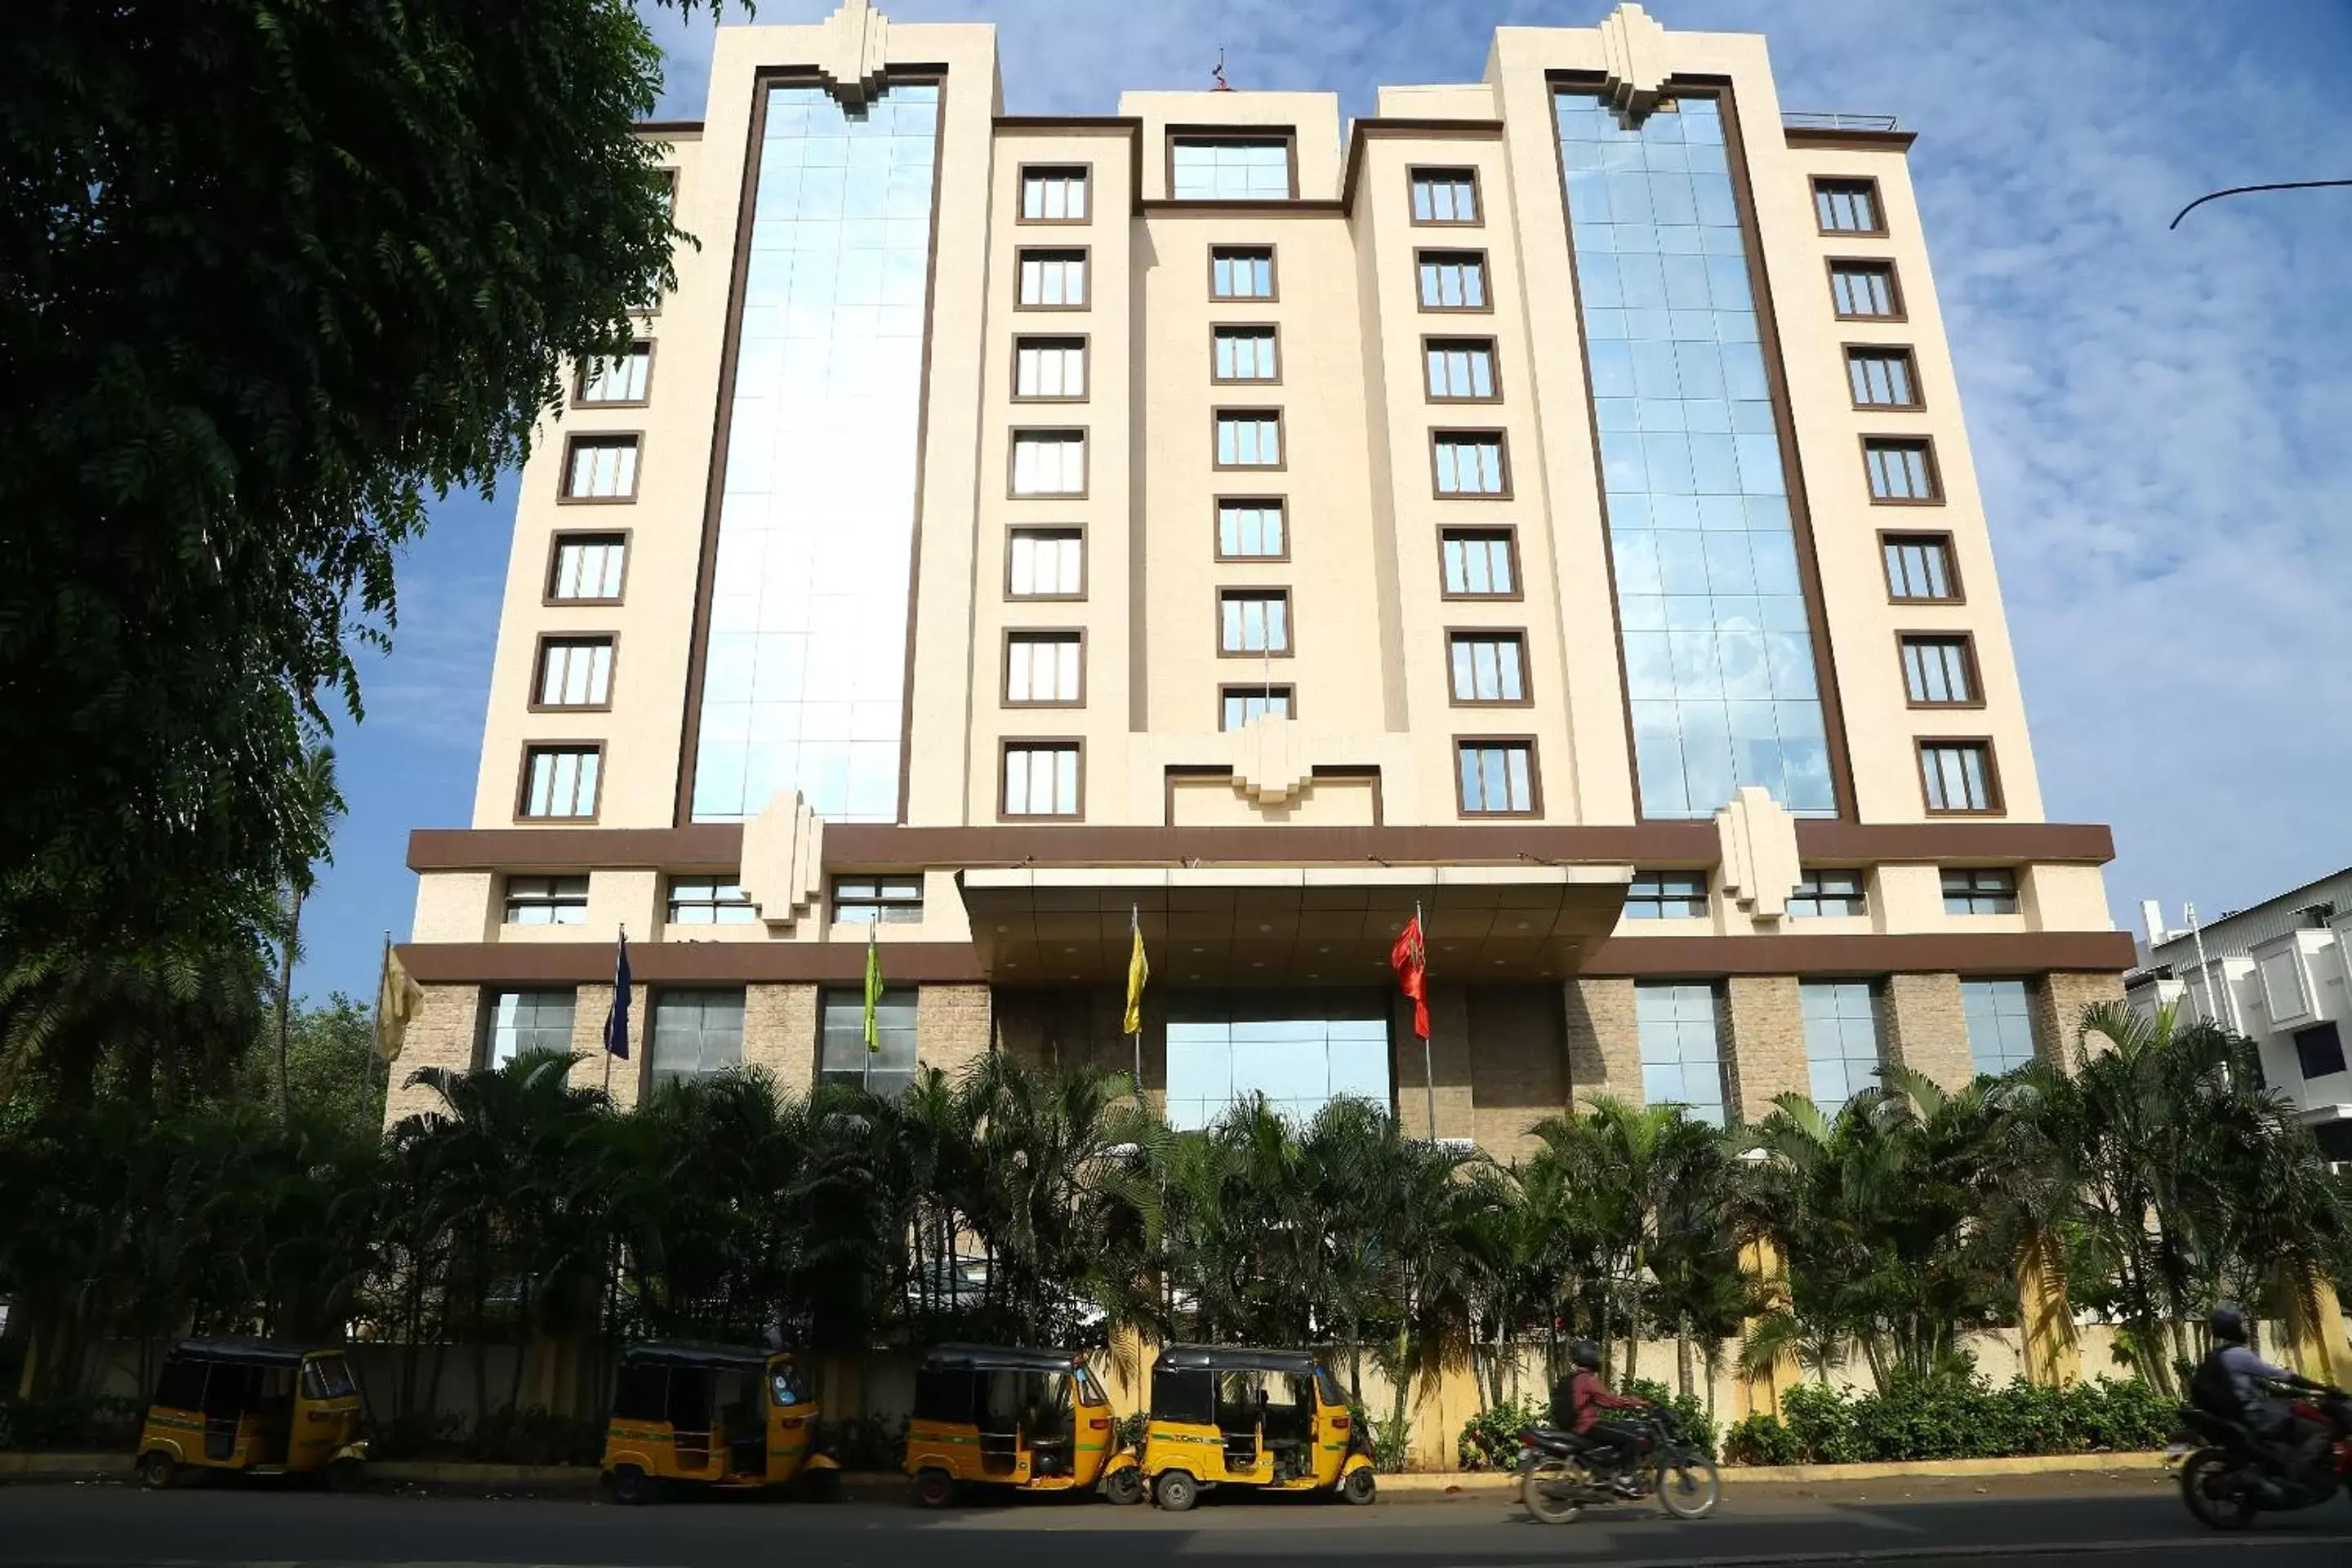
(1688, 1486)
(1542, 1490)
(2208, 1487)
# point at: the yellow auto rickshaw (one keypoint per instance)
(723, 1416)
(264, 1407)
(1227, 1417)
(1029, 1420)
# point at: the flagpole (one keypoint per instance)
(1428, 1061)
(624, 936)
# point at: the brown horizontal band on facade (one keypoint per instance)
(1855, 141)
(665, 127)
(1829, 957)
(1128, 124)
(684, 962)
(1236, 207)
(1866, 843)
(716, 846)
(1364, 130)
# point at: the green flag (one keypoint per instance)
(873, 990)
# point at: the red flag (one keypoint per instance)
(1410, 959)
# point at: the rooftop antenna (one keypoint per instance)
(1218, 71)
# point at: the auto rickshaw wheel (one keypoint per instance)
(158, 1470)
(1358, 1486)
(632, 1486)
(934, 1487)
(1176, 1490)
(1125, 1487)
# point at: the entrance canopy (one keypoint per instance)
(1255, 925)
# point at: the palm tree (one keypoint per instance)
(323, 803)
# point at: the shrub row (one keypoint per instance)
(1490, 1439)
(1953, 1419)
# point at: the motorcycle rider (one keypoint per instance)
(2229, 1384)
(1577, 1402)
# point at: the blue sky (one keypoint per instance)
(2160, 419)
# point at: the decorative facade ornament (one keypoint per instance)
(783, 860)
(854, 43)
(1758, 844)
(1635, 45)
(1271, 767)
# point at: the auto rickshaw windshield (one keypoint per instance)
(784, 1385)
(327, 1377)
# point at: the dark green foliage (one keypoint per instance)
(1964, 1418)
(1696, 1422)
(1490, 1439)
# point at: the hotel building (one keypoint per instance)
(1544, 502)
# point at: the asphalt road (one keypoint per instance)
(2122, 1522)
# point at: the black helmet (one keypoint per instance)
(1586, 1354)
(2228, 1323)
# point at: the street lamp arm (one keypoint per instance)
(2242, 190)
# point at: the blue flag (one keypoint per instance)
(616, 1022)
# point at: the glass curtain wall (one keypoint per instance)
(1301, 1051)
(805, 684)
(1719, 662)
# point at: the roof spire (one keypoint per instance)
(1218, 71)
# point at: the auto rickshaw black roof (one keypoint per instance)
(696, 1352)
(1235, 1358)
(997, 1358)
(253, 1351)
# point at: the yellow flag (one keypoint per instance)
(396, 1003)
(873, 991)
(1138, 970)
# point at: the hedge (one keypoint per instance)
(1953, 1419)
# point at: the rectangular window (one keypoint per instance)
(1828, 894)
(1920, 567)
(1049, 369)
(1667, 896)
(877, 900)
(1957, 777)
(560, 782)
(1841, 1044)
(625, 378)
(1053, 280)
(706, 901)
(1229, 169)
(1682, 1058)
(1470, 463)
(1496, 778)
(1479, 562)
(1848, 206)
(586, 568)
(601, 467)
(1999, 1020)
(1244, 704)
(1866, 291)
(1488, 667)
(1939, 672)
(547, 900)
(575, 672)
(1882, 378)
(1254, 621)
(1251, 531)
(2319, 1051)
(1453, 279)
(696, 1034)
(1041, 778)
(524, 1021)
(1249, 438)
(1043, 669)
(1243, 354)
(1240, 272)
(1460, 370)
(1049, 462)
(1444, 195)
(1300, 1049)
(1047, 563)
(1979, 891)
(1053, 195)
(885, 1067)
(1901, 471)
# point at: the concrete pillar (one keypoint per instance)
(1448, 1058)
(1604, 1043)
(444, 1032)
(2045, 1318)
(2059, 998)
(780, 1034)
(1926, 1029)
(951, 1026)
(1761, 1392)
(1762, 1022)
(2317, 1340)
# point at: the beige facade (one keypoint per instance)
(927, 571)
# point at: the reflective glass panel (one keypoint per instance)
(1682, 1063)
(695, 1033)
(1301, 1050)
(887, 1067)
(805, 685)
(526, 1021)
(1224, 169)
(1842, 1048)
(1720, 661)
(2000, 1018)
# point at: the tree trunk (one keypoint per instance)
(1682, 1357)
(286, 1002)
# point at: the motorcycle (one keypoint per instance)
(2226, 1480)
(1560, 1476)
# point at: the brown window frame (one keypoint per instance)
(1902, 641)
(1900, 536)
(579, 438)
(1217, 330)
(1527, 697)
(1217, 505)
(1503, 449)
(1040, 633)
(1996, 800)
(1086, 462)
(1819, 183)
(555, 543)
(1015, 531)
(1414, 175)
(580, 379)
(1926, 445)
(1025, 253)
(1085, 353)
(1224, 591)
(522, 780)
(610, 640)
(1903, 352)
(2014, 892)
(1901, 313)
(1273, 274)
(1534, 776)
(1172, 134)
(1422, 255)
(1228, 691)
(1281, 435)
(1441, 342)
(1511, 546)
(1008, 744)
(1086, 174)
